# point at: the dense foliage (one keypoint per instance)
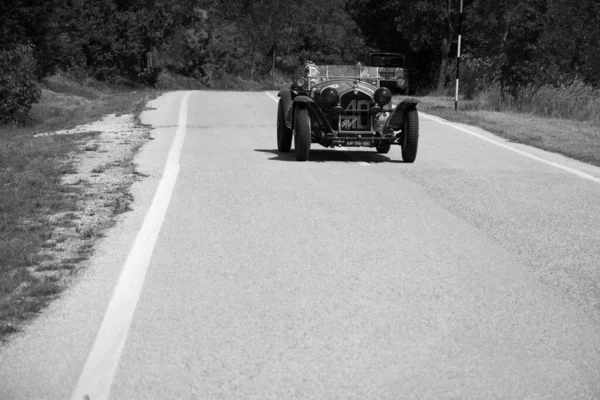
(18, 87)
(516, 45)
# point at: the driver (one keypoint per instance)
(311, 70)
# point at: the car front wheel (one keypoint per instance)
(284, 134)
(411, 136)
(302, 126)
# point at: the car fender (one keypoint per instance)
(286, 99)
(396, 120)
(305, 102)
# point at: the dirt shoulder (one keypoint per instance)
(54, 229)
(103, 173)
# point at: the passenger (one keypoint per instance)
(363, 71)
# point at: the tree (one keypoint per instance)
(536, 42)
(425, 28)
(571, 40)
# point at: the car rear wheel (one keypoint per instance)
(284, 134)
(302, 144)
(411, 136)
(383, 148)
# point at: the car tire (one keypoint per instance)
(302, 144)
(284, 134)
(410, 141)
(383, 148)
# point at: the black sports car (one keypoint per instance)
(344, 105)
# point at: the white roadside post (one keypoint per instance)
(458, 54)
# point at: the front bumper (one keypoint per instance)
(358, 141)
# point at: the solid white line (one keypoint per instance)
(514, 150)
(99, 370)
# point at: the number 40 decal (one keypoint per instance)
(359, 121)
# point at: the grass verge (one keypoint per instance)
(32, 172)
(573, 138)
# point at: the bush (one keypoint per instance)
(19, 89)
(476, 75)
(576, 100)
(169, 81)
(236, 83)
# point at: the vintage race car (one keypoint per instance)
(344, 105)
(392, 71)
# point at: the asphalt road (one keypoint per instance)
(471, 274)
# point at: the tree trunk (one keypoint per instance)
(443, 65)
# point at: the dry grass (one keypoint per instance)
(578, 139)
(576, 101)
(32, 174)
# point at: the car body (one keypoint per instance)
(344, 105)
(392, 70)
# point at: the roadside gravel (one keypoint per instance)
(103, 173)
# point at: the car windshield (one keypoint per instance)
(342, 71)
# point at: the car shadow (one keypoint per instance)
(329, 155)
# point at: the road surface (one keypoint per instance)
(472, 273)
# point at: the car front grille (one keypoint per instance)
(356, 112)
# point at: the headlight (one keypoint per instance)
(300, 82)
(330, 97)
(382, 96)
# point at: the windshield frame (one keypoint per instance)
(329, 72)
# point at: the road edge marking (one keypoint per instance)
(99, 370)
(510, 148)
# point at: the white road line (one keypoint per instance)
(99, 370)
(514, 150)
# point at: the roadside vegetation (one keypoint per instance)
(575, 138)
(32, 169)
(562, 119)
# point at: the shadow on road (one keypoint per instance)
(327, 155)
